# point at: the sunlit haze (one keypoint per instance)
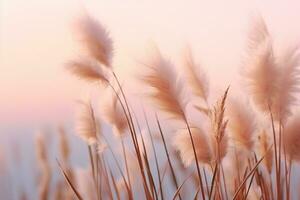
(37, 38)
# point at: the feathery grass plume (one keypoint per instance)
(41, 153)
(291, 138)
(219, 146)
(288, 85)
(45, 176)
(182, 143)
(86, 123)
(63, 145)
(219, 137)
(195, 76)
(260, 71)
(241, 124)
(64, 148)
(167, 90)
(96, 39)
(264, 148)
(112, 113)
(88, 70)
(257, 33)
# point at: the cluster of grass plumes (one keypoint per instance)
(233, 153)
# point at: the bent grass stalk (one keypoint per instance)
(196, 159)
(155, 155)
(133, 131)
(69, 181)
(167, 154)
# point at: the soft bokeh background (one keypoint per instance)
(36, 39)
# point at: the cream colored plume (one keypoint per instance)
(63, 145)
(64, 148)
(257, 33)
(195, 76)
(265, 150)
(86, 125)
(166, 90)
(182, 143)
(241, 124)
(260, 71)
(96, 39)
(219, 147)
(88, 70)
(44, 167)
(113, 113)
(288, 85)
(41, 152)
(291, 138)
(218, 136)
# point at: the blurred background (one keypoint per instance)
(37, 38)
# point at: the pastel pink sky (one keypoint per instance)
(36, 39)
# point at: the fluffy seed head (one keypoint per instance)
(196, 78)
(260, 71)
(41, 152)
(182, 143)
(257, 33)
(218, 137)
(291, 138)
(96, 39)
(113, 113)
(265, 150)
(87, 70)
(288, 85)
(219, 147)
(261, 75)
(63, 145)
(166, 89)
(86, 123)
(241, 124)
(44, 167)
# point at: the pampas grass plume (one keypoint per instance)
(291, 138)
(196, 78)
(218, 136)
(182, 143)
(45, 176)
(288, 85)
(260, 71)
(88, 70)
(63, 145)
(112, 113)
(241, 124)
(264, 147)
(168, 92)
(86, 123)
(96, 39)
